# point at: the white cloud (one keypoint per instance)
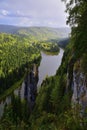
(4, 12)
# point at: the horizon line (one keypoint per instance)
(33, 26)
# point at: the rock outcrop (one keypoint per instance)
(77, 82)
(31, 81)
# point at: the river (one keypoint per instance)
(48, 67)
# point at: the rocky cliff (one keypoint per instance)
(31, 81)
(79, 87)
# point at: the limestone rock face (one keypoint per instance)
(79, 87)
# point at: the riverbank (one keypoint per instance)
(51, 53)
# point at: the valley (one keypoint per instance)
(61, 101)
(18, 55)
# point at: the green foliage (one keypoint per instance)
(16, 115)
(84, 63)
(77, 19)
(16, 55)
(55, 90)
(49, 47)
(63, 42)
(53, 109)
(46, 121)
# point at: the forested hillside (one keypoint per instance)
(17, 54)
(61, 103)
(39, 33)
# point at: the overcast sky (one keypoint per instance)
(33, 13)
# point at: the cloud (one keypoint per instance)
(40, 12)
(13, 14)
(4, 12)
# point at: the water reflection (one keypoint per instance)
(49, 64)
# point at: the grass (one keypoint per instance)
(11, 89)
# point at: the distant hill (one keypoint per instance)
(8, 29)
(40, 33)
(63, 42)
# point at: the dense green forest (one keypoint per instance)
(53, 109)
(17, 54)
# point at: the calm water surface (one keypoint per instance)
(49, 65)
